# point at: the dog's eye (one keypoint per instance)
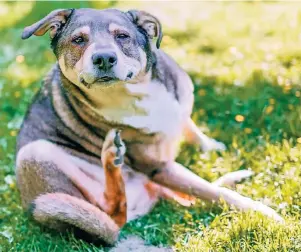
(122, 36)
(78, 40)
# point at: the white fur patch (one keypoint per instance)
(148, 106)
(163, 112)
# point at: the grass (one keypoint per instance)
(245, 61)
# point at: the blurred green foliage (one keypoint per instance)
(245, 61)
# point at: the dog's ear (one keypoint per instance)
(150, 24)
(53, 21)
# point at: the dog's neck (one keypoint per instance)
(112, 102)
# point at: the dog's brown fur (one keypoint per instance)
(70, 165)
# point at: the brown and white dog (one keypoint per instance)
(98, 145)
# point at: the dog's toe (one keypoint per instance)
(212, 144)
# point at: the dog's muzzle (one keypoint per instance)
(103, 63)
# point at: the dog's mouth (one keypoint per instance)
(101, 80)
(104, 80)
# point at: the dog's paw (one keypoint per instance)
(212, 144)
(232, 178)
(113, 147)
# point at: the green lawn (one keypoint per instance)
(245, 61)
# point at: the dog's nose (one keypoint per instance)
(104, 60)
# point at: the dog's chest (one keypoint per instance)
(148, 107)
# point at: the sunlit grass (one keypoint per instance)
(245, 61)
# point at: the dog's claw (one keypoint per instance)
(118, 143)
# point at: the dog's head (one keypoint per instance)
(100, 47)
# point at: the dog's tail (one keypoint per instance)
(133, 243)
(59, 210)
(230, 179)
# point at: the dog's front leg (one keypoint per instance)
(179, 178)
(193, 135)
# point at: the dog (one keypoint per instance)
(98, 144)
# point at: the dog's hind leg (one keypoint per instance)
(55, 191)
(60, 210)
(178, 178)
(114, 196)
